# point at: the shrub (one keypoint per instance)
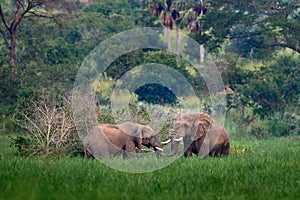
(49, 129)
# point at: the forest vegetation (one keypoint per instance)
(255, 45)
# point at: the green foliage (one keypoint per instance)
(50, 53)
(282, 126)
(24, 145)
(104, 88)
(248, 126)
(129, 61)
(249, 35)
(275, 86)
(28, 146)
(156, 94)
(8, 97)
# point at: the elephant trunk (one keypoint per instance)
(174, 147)
(174, 140)
(158, 152)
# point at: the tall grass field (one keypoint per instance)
(267, 169)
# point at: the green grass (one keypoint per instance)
(255, 170)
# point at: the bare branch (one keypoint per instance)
(51, 126)
(18, 18)
(46, 15)
(3, 19)
(290, 46)
(16, 21)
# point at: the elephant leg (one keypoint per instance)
(187, 145)
(204, 150)
(225, 149)
(220, 149)
(196, 145)
(215, 150)
(129, 150)
(87, 154)
(188, 153)
(193, 149)
(85, 150)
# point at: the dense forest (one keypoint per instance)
(254, 44)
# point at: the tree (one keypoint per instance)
(50, 128)
(163, 10)
(260, 26)
(275, 87)
(264, 26)
(11, 21)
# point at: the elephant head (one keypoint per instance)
(151, 139)
(142, 136)
(189, 128)
(201, 136)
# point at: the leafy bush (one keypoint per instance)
(273, 87)
(24, 144)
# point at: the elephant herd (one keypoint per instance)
(199, 133)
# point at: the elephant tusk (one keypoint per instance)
(179, 139)
(147, 150)
(158, 148)
(166, 142)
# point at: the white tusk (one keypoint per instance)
(166, 142)
(178, 140)
(147, 150)
(158, 148)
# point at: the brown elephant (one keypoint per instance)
(200, 135)
(107, 140)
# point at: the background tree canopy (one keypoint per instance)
(255, 45)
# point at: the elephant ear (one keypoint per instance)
(147, 132)
(138, 136)
(135, 132)
(129, 128)
(201, 126)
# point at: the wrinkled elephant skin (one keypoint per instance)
(107, 140)
(201, 136)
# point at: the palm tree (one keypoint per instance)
(179, 13)
(162, 9)
(182, 13)
(175, 16)
(193, 19)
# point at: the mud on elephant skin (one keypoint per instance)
(107, 140)
(200, 134)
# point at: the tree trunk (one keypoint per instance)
(202, 53)
(177, 43)
(21, 9)
(169, 39)
(13, 53)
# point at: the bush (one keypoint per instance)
(49, 129)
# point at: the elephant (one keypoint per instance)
(200, 134)
(107, 140)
